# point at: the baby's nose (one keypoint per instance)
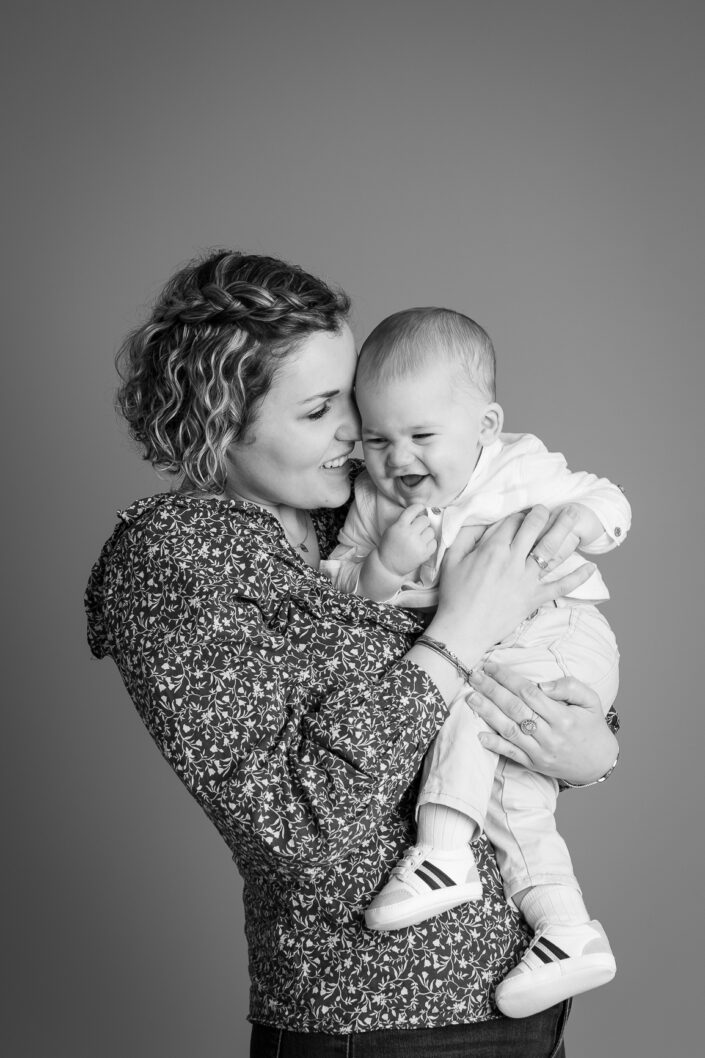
(398, 456)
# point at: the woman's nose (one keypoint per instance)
(349, 425)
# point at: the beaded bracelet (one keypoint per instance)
(445, 652)
(581, 785)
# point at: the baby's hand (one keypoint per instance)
(587, 527)
(408, 542)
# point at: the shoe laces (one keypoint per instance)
(410, 861)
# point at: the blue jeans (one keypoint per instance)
(540, 1036)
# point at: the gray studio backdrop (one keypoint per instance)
(536, 165)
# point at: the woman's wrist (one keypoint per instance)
(442, 663)
(600, 759)
(469, 647)
(439, 670)
(444, 651)
(593, 782)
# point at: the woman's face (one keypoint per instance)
(296, 453)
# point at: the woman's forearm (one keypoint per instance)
(303, 772)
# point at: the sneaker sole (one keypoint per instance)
(396, 917)
(520, 997)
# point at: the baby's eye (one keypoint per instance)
(319, 412)
(375, 442)
(423, 436)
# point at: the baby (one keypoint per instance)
(437, 460)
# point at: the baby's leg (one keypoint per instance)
(458, 772)
(439, 872)
(560, 641)
(570, 954)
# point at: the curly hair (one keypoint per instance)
(193, 376)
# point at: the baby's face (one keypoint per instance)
(421, 435)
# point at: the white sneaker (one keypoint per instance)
(561, 961)
(424, 883)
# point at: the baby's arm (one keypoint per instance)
(405, 545)
(604, 513)
(372, 560)
(373, 556)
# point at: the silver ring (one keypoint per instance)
(542, 563)
(528, 726)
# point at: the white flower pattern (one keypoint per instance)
(284, 707)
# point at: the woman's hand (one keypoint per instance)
(570, 739)
(487, 590)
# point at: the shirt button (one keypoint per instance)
(618, 531)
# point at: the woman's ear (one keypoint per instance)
(491, 424)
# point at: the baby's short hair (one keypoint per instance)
(414, 338)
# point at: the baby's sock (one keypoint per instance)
(555, 905)
(444, 827)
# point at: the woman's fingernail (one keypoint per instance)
(570, 512)
(548, 686)
(483, 740)
(490, 666)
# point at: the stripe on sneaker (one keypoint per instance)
(446, 879)
(430, 882)
(554, 952)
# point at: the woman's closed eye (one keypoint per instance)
(319, 412)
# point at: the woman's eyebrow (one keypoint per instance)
(320, 396)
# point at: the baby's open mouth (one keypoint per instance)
(410, 481)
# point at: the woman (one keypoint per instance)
(298, 716)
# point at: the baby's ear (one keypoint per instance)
(491, 423)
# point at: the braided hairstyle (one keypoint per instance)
(193, 376)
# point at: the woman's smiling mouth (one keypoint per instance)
(335, 464)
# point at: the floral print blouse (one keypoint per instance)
(286, 709)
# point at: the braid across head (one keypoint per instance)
(195, 373)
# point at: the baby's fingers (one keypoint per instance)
(428, 537)
(409, 514)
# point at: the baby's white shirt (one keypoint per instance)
(515, 472)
